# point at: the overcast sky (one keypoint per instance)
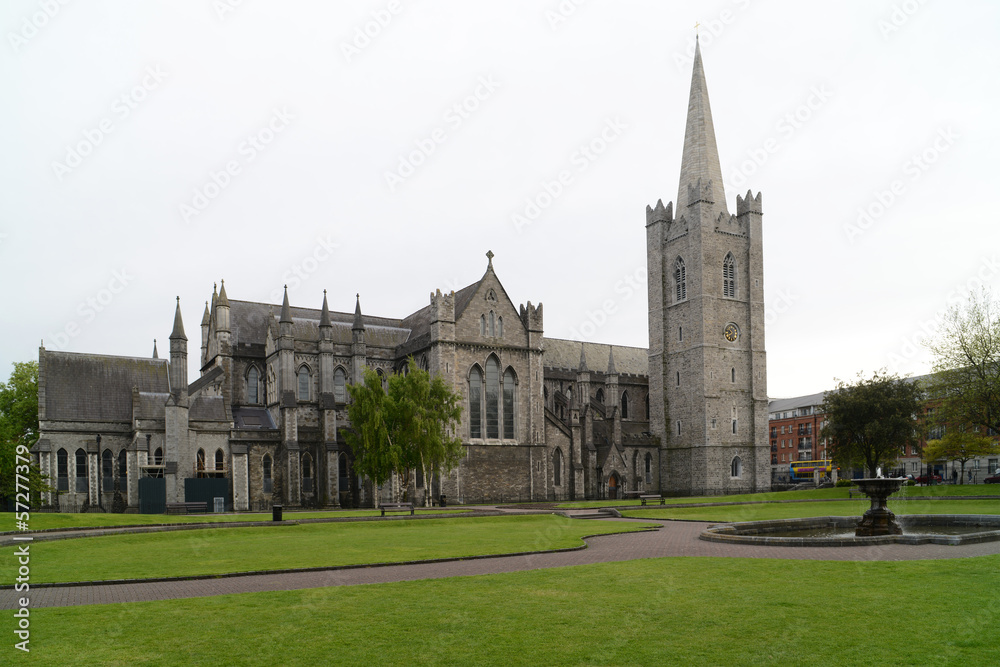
(150, 149)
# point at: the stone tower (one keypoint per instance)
(707, 375)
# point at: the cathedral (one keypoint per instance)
(543, 419)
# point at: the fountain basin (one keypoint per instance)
(981, 528)
(878, 520)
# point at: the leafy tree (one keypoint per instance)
(407, 426)
(868, 422)
(966, 377)
(19, 430)
(428, 413)
(957, 446)
(376, 455)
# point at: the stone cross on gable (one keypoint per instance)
(489, 256)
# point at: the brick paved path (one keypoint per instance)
(676, 538)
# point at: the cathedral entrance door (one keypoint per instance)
(613, 487)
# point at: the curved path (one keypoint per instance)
(675, 538)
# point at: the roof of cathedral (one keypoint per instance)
(98, 387)
(252, 418)
(208, 408)
(151, 405)
(561, 353)
(700, 159)
(249, 321)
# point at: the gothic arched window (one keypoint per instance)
(62, 470)
(680, 280)
(340, 385)
(492, 398)
(107, 469)
(500, 327)
(475, 403)
(158, 456)
(253, 385)
(649, 468)
(599, 397)
(729, 276)
(493, 323)
(201, 463)
(624, 405)
(220, 460)
(557, 460)
(509, 383)
(82, 482)
(482, 325)
(303, 377)
(266, 465)
(122, 464)
(736, 467)
(271, 386)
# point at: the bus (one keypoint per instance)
(802, 471)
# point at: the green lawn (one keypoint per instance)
(220, 550)
(46, 520)
(855, 507)
(808, 494)
(681, 611)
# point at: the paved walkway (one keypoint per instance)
(675, 538)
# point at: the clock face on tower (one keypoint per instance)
(732, 332)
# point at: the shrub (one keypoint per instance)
(843, 482)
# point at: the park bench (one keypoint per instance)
(651, 497)
(186, 508)
(396, 507)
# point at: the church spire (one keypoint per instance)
(700, 160)
(155, 355)
(178, 332)
(359, 324)
(286, 310)
(324, 318)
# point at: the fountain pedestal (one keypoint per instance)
(878, 520)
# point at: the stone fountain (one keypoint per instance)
(878, 520)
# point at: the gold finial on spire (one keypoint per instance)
(696, 25)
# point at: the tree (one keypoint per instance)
(966, 377)
(428, 413)
(370, 438)
(407, 426)
(869, 421)
(19, 431)
(957, 446)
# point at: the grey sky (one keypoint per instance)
(153, 148)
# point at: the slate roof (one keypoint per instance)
(151, 405)
(208, 408)
(249, 322)
(252, 418)
(561, 353)
(98, 387)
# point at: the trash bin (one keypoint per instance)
(444, 500)
(276, 513)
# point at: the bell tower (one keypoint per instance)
(707, 365)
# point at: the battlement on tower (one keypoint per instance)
(700, 192)
(531, 317)
(748, 204)
(442, 306)
(659, 213)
